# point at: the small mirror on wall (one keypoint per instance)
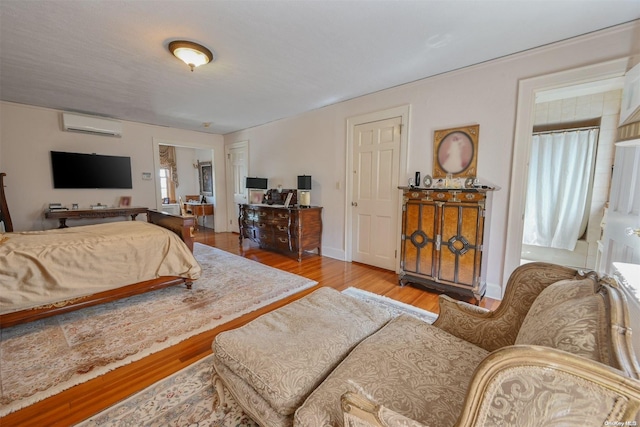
(456, 152)
(206, 178)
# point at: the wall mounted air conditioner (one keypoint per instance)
(92, 125)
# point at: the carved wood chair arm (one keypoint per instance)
(549, 386)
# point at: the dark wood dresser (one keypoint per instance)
(444, 234)
(291, 230)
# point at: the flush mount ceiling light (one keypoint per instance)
(191, 53)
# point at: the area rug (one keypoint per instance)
(42, 358)
(188, 398)
(392, 306)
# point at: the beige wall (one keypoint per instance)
(315, 143)
(28, 134)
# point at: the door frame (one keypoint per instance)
(402, 111)
(157, 142)
(527, 90)
(231, 204)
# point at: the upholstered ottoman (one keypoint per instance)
(273, 363)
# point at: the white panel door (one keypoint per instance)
(623, 216)
(376, 163)
(620, 243)
(237, 171)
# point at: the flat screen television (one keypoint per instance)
(79, 170)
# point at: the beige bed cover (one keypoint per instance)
(42, 267)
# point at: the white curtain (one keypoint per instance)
(560, 170)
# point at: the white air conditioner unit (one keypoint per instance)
(92, 125)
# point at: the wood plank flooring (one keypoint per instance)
(82, 401)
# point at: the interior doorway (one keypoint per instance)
(569, 171)
(176, 182)
(376, 162)
(237, 162)
(525, 117)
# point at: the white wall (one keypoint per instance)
(28, 134)
(315, 143)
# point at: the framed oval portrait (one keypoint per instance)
(456, 152)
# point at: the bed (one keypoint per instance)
(44, 273)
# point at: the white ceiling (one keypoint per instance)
(274, 58)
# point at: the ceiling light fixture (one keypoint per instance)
(191, 53)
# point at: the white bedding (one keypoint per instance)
(43, 267)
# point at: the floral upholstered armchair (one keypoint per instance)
(527, 386)
(559, 354)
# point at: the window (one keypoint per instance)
(167, 187)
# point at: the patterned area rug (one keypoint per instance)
(188, 397)
(43, 358)
(392, 306)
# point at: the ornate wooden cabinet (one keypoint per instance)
(444, 233)
(291, 230)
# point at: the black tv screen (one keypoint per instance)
(78, 170)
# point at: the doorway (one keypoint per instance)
(525, 117)
(180, 177)
(376, 161)
(569, 172)
(237, 158)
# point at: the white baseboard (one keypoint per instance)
(334, 253)
(494, 291)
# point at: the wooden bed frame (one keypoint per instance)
(182, 226)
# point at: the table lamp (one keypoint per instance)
(304, 184)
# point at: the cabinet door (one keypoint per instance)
(419, 238)
(461, 245)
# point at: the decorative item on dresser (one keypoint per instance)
(291, 230)
(444, 233)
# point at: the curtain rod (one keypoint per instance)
(566, 130)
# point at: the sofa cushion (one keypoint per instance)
(409, 366)
(569, 315)
(286, 353)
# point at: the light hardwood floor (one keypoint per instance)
(84, 400)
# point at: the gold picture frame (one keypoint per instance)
(455, 152)
(205, 172)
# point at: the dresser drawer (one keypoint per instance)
(281, 229)
(262, 225)
(284, 243)
(261, 214)
(449, 195)
(264, 236)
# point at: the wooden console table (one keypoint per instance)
(199, 210)
(63, 215)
